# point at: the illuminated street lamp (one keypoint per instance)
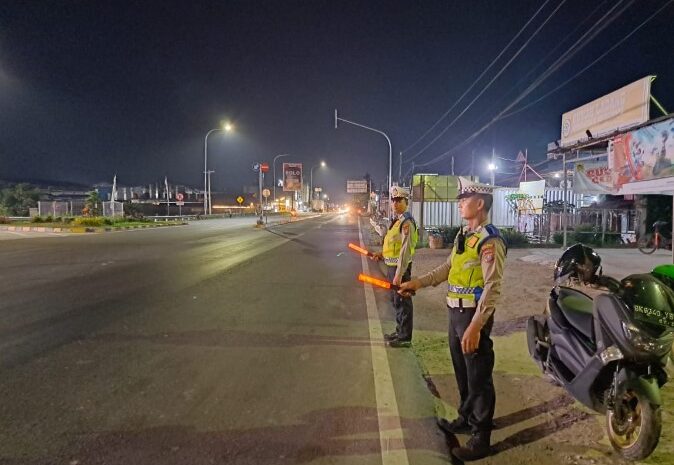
(492, 168)
(208, 207)
(311, 183)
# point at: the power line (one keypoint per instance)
(484, 89)
(535, 68)
(591, 64)
(478, 78)
(599, 26)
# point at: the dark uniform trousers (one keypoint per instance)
(473, 372)
(403, 306)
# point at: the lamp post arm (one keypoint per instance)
(390, 149)
(274, 168)
(206, 168)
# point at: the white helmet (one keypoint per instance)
(397, 191)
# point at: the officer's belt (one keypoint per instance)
(461, 303)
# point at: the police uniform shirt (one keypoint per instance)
(492, 261)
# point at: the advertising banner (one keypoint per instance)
(642, 155)
(621, 109)
(292, 177)
(593, 177)
(531, 201)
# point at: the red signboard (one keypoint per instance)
(264, 167)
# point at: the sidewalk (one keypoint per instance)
(615, 262)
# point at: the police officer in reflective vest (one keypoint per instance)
(397, 253)
(473, 273)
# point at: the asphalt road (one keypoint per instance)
(209, 343)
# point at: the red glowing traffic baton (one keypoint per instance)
(360, 250)
(377, 282)
(380, 283)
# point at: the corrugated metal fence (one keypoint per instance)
(447, 213)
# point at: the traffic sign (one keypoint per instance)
(256, 167)
(239, 199)
(264, 167)
(179, 197)
(266, 192)
(180, 204)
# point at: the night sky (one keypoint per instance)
(93, 88)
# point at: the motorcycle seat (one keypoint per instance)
(577, 309)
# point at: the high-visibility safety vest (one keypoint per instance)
(393, 240)
(465, 280)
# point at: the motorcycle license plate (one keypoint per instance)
(654, 316)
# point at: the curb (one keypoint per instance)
(80, 229)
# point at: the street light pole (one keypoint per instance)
(226, 128)
(274, 168)
(311, 183)
(390, 150)
(210, 200)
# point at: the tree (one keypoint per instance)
(18, 199)
(93, 204)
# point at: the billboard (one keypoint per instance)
(644, 154)
(625, 107)
(356, 187)
(292, 177)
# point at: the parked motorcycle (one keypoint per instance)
(609, 353)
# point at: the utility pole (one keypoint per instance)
(400, 170)
(260, 177)
(493, 169)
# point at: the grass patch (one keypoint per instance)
(432, 351)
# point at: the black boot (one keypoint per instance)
(476, 448)
(390, 336)
(456, 426)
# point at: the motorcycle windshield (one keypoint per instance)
(651, 300)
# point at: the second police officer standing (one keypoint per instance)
(473, 273)
(399, 245)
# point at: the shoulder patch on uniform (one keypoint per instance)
(488, 252)
(472, 241)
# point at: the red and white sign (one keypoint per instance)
(179, 197)
(264, 167)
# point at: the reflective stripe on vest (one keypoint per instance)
(460, 290)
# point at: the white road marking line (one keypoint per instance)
(393, 450)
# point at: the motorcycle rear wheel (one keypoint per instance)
(634, 433)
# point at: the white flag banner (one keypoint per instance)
(113, 195)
